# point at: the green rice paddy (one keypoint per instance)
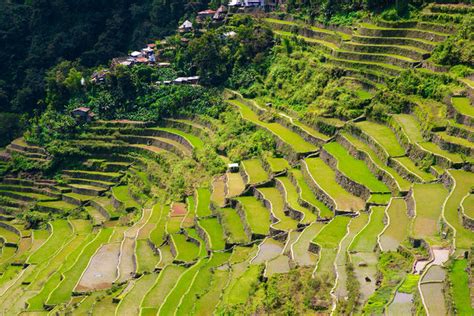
(295, 141)
(384, 136)
(255, 171)
(325, 178)
(257, 216)
(355, 169)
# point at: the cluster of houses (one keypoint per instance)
(180, 80)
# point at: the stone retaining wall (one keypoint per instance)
(460, 132)
(289, 211)
(301, 201)
(320, 194)
(239, 208)
(356, 56)
(410, 33)
(307, 32)
(451, 147)
(298, 130)
(379, 173)
(410, 201)
(160, 133)
(348, 184)
(393, 41)
(71, 200)
(400, 169)
(379, 150)
(143, 140)
(100, 209)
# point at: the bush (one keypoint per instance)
(457, 49)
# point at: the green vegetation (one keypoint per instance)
(63, 291)
(325, 178)
(186, 251)
(203, 202)
(215, 232)
(463, 106)
(397, 229)
(308, 196)
(429, 199)
(278, 209)
(233, 226)
(355, 169)
(366, 240)
(383, 136)
(459, 281)
(119, 195)
(292, 200)
(257, 216)
(278, 164)
(296, 142)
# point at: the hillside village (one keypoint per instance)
(252, 161)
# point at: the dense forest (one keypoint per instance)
(36, 35)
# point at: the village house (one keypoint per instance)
(82, 114)
(206, 14)
(186, 27)
(99, 76)
(247, 3)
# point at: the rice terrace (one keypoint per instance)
(253, 158)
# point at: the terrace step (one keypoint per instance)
(367, 29)
(55, 206)
(85, 189)
(159, 142)
(428, 26)
(233, 227)
(412, 52)
(379, 67)
(28, 189)
(461, 109)
(12, 150)
(93, 175)
(322, 181)
(76, 199)
(453, 144)
(389, 59)
(377, 79)
(398, 41)
(96, 183)
(21, 145)
(460, 130)
(326, 46)
(26, 197)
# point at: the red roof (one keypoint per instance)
(82, 109)
(208, 11)
(142, 60)
(151, 45)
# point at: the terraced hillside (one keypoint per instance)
(363, 216)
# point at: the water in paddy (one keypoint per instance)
(268, 250)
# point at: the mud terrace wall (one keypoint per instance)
(348, 184)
